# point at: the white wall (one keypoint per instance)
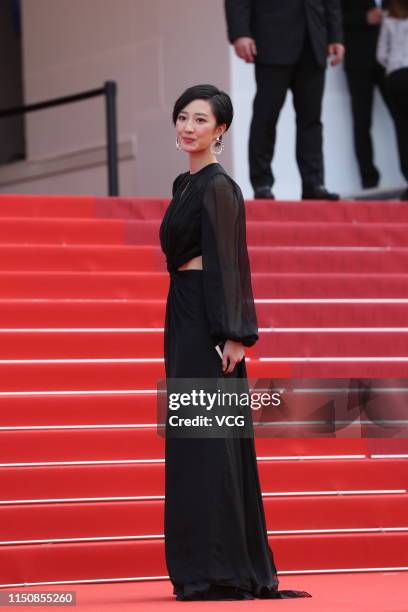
(340, 165)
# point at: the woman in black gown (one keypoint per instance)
(215, 532)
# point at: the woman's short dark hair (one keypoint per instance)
(220, 102)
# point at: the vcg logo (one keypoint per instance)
(230, 420)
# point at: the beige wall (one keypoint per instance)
(152, 48)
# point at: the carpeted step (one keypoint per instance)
(119, 313)
(329, 344)
(135, 445)
(125, 409)
(328, 259)
(259, 233)
(312, 313)
(66, 312)
(343, 211)
(65, 231)
(147, 479)
(64, 562)
(147, 258)
(101, 375)
(375, 211)
(149, 344)
(61, 206)
(139, 438)
(138, 518)
(263, 233)
(86, 258)
(131, 285)
(54, 410)
(145, 444)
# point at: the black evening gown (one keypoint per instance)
(216, 541)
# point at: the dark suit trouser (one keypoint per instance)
(397, 86)
(306, 81)
(362, 83)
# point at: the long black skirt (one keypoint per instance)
(216, 542)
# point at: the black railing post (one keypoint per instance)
(109, 92)
(111, 133)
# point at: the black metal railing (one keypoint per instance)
(109, 91)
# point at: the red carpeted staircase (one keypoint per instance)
(82, 294)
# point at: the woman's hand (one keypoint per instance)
(232, 354)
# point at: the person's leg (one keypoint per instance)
(380, 81)
(307, 87)
(397, 85)
(272, 84)
(361, 85)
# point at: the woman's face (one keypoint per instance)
(196, 126)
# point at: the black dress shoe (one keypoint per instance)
(263, 193)
(404, 195)
(369, 182)
(318, 192)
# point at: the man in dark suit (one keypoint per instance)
(289, 41)
(362, 20)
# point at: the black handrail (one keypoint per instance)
(109, 90)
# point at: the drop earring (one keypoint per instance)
(178, 145)
(217, 147)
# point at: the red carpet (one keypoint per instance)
(82, 294)
(340, 592)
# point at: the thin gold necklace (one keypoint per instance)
(185, 188)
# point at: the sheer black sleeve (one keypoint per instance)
(226, 269)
